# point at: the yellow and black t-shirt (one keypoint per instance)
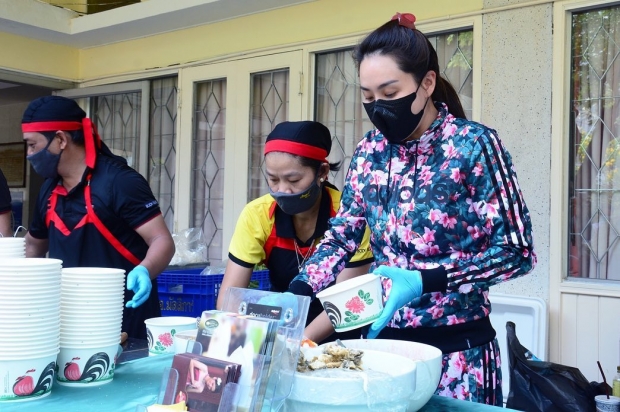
(265, 234)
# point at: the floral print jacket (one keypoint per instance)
(448, 201)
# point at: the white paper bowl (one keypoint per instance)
(90, 344)
(72, 282)
(29, 333)
(109, 312)
(353, 303)
(28, 343)
(181, 339)
(52, 309)
(42, 313)
(428, 359)
(28, 379)
(90, 321)
(68, 335)
(86, 367)
(160, 332)
(30, 293)
(101, 307)
(26, 264)
(13, 254)
(12, 241)
(11, 245)
(385, 383)
(29, 353)
(21, 333)
(93, 330)
(18, 278)
(86, 301)
(93, 271)
(77, 298)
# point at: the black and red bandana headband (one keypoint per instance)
(308, 139)
(299, 149)
(92, 141)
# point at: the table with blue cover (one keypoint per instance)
(137, 382)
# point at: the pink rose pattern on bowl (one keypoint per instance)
(164, 341)
(355, 306)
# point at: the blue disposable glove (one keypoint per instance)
(287, 301)
(406, 286)
(139, 281)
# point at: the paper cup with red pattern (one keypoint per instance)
(353, 303)
(160, 332)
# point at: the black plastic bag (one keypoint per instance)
(546, 386)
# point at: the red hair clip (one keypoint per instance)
(405, 19)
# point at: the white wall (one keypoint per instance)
(516, 101)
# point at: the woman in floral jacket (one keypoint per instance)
(447, 218)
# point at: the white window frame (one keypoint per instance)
(431, 29)
(560, 159)
(144, 87)
(237, 74)
(562, 287)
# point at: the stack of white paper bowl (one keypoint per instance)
(12, 247)
(29, 327)
(91, 315)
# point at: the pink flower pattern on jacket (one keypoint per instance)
(450, 198)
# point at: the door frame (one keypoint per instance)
(237, 73)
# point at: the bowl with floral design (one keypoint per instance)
(353, 303)
(160, 332)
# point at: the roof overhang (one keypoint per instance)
(38, 20)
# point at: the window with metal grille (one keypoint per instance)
(338, 102)
(594, 178)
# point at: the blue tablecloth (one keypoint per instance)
(137, 382)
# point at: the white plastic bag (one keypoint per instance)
(190, 247)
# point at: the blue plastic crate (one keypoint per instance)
(185, 292)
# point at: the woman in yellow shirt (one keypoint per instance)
(281, 229)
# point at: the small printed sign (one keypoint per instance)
(264, 311)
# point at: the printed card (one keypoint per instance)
(201, 380)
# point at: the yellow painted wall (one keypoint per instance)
(310, 21)
(38, 57)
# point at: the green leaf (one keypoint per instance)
(173, 332)
(348, 313)
(355, 317)
(347, 320)
(360, 293)
(369, 301)
(366, 296)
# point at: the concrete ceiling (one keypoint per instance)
(39, 20)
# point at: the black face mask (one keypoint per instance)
(44, 162)
(394, 117)
(294, 203)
